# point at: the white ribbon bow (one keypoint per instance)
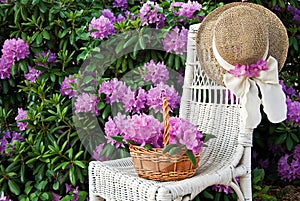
(273, 98)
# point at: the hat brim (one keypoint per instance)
(278, 40)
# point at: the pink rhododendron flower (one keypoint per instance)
(22, 114)
(32, 74)
(86, 103)
(186, 10)
(155, 94)
(103, 26)
(66, 89)
(155, 72)
(150, 13)
(176, 41)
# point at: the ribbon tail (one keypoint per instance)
(251, 107)
(273, 101)
(247, 91)
(273, 97)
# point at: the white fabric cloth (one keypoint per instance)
(273, 98)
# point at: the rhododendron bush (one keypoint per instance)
(71, 68)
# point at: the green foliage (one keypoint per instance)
(52, 154)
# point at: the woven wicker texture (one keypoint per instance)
(227, 156)
(153, 164)
(242, 31)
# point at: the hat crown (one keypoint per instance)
(241, 35)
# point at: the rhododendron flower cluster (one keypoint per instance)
(66, 88)
(123, 4)
(144, 129)
(293, 104)
(184, 132)
(113, 89)
(109, 14)
(161, 90)
(176, 41)
(13, 49)
(138, 100)
(22, 114)
(293, 114)
(114, 127)
(51, 58)
(186, 10)
(251, 70)
(8, 138)
(151, 13)
(289, 165)
(102, 27)
(295, 12)
(155, 72)
(4, 198)
(86, 103)
(32, 74)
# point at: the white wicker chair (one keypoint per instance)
(226, 157)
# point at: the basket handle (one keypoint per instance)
(166, 121)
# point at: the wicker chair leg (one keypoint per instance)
(245, 181)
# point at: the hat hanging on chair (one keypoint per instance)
(242, 46)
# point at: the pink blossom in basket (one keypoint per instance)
(185, 133)
(144, 129)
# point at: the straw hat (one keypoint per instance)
(242, 33)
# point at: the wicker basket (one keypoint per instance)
(153, 164)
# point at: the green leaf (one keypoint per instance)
(67, 198)
(45, 196)
(78, 154)
(191, 156)
(295, 137)
(41, 186)
(131, 41)
(80, 164)
(14, 70)
(208, 137)
(46, 35)
(23, 66)
(280, 139)
(13, 187)
(289, 143)
(148, 147)
(177, 62)
(5, 86)
(206, 194)
(56, 185)
(82, 195)
(39, 39)
(281, 3)
(22, 172)
(142, 42)
(52, 77)
(106, 112)
(117, 138)
(88, 79)
(49, 119)
(34, 2)
(174, 150)
(170, 60)
(28, 187)
(167, 148)
(72, 176)
(120, 46)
